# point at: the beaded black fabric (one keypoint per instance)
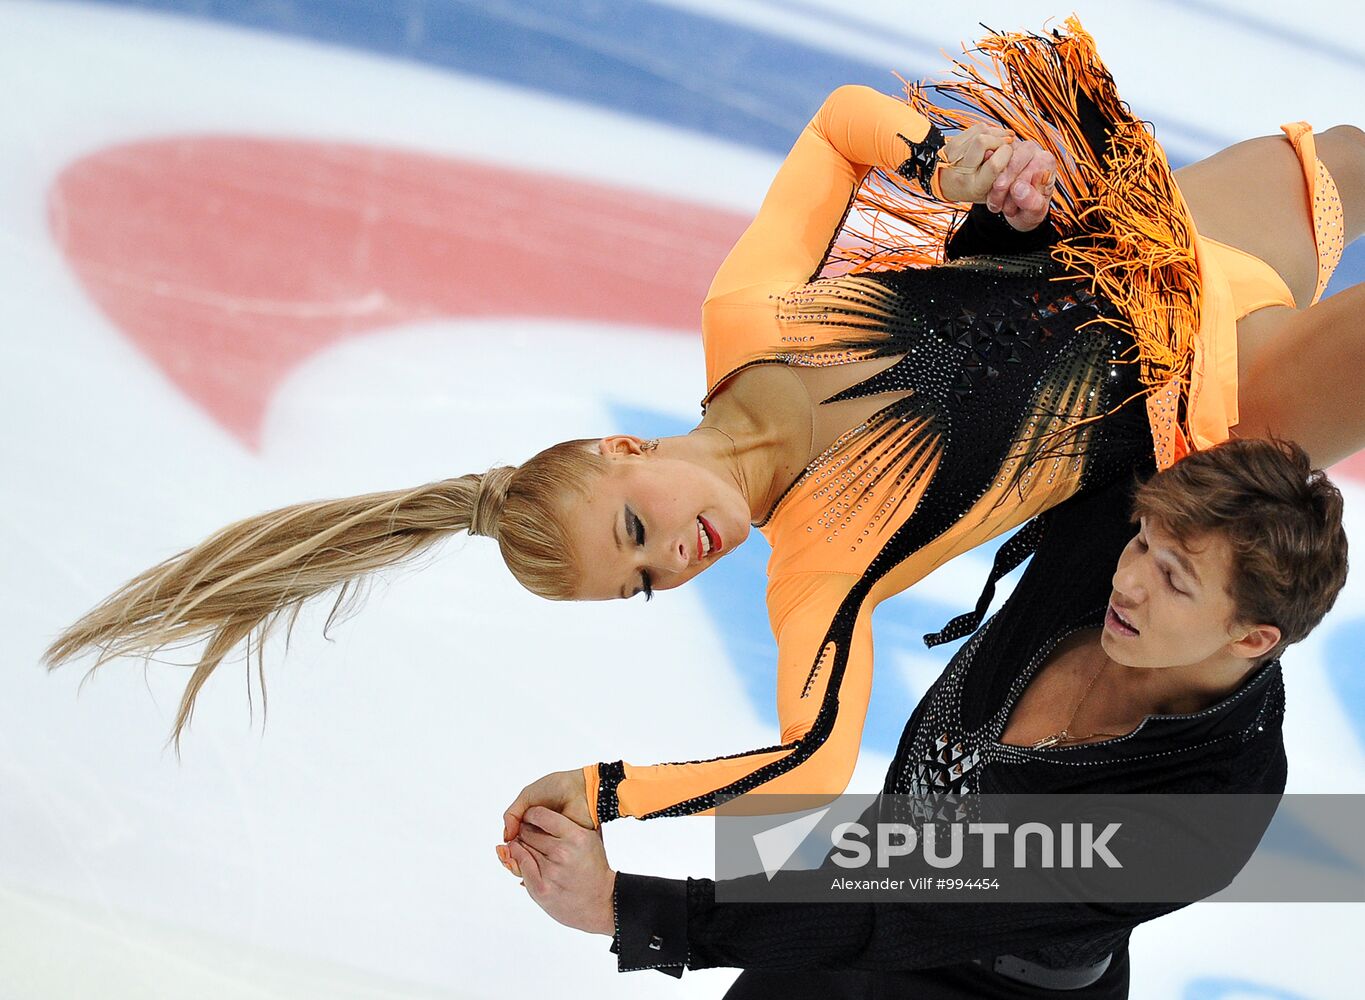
(609, 775)
(923, 160)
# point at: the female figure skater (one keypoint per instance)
(874, 423)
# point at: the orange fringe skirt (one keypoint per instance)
(1122, 221)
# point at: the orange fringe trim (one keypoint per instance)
(1124, 225)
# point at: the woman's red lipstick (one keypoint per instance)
(713, 534)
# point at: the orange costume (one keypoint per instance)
(959, 399)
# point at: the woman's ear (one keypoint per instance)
(620, 444)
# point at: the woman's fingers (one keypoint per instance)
(505, 859)
(511, 818)
(968, 149)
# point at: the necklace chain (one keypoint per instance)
(734, 448)
(1065, 735)
(734, 452)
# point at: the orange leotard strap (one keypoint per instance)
(856, 130)
(1329, 230)
(821, 706)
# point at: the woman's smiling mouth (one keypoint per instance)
(708, 539)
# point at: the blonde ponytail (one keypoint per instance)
(236, 584)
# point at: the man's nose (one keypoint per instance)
(1128, 585)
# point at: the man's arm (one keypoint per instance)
(676, 924)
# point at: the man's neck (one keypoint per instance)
(1180, 690)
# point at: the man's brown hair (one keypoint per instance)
(1280, 516)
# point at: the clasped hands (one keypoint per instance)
(986, 165)
(551, 845)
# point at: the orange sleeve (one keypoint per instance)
(824, 680)
(856, 129)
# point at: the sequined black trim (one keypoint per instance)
(1020, 546)
(608, 777)
(923, 160)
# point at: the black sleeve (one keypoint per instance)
(651, 924)
(669, 924)
(987, 232)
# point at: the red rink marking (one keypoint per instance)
(229, 261)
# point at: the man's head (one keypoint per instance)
(1240, 552)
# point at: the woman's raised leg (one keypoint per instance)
(1307, 382)
(1299, 371)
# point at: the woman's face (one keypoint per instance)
(652, 523)
(1170, 605)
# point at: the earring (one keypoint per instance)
(650, 445)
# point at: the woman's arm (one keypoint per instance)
(855, 130)
(824, 682)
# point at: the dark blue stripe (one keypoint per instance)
(657, 62)
(1280, 34)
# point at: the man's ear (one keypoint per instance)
(621, 444)
(1256, 642)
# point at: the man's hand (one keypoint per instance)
(1022, 191)
(564, 868)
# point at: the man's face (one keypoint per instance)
(1170, 604)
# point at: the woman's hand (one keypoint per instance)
(565, 792)
(564, 868)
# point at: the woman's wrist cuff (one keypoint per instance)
(923, 163)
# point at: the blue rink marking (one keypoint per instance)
(656, 62)
(1229, 988)
(1345, 664)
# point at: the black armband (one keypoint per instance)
(608, 777)
(923, 159)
